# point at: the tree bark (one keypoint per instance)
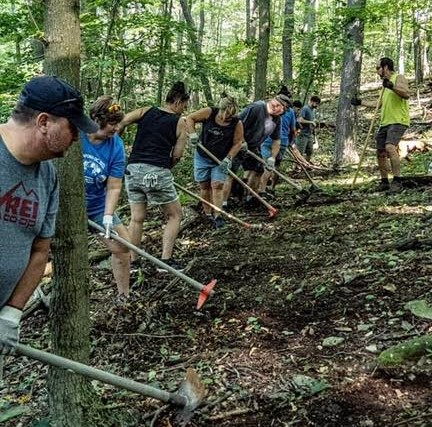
(287, 40)
(68, 393)
(196, 49)
(263, 49)
(345, 147)
(417, 46)
(308, 51)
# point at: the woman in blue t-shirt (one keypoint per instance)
(104, 166)
(222, 135)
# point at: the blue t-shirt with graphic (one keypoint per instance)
(102, 160)
(288, 125)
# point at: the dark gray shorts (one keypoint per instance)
(390, 134)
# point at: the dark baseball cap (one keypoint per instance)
(50, 94)
(284, 100)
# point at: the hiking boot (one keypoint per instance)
(172, 263)
(218, 222)
(383, 186)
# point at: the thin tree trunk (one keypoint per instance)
(196, 49)
(400, 41)
(418, 63)
(164, 46)
(68, 393)
(287, 40)
(263, 49)
(345, 148)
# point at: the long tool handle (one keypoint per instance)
(281, 175)
(302, 167)
(98, 374)
(271, 209)
(217, 209)
(151, 258)
(368, 136)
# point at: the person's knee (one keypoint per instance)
(205, 185)
(381, 154)
(217, 185)
(391, 150)
(173, 213)
(137, 215)
(121, 252)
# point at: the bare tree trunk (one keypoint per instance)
(68, 393)
(418, 62)
(345, 148)
(263, 49)
(251, 11)
(400, 41)
(196, 48)
(308, 51)
(164, 46)
(287, 39)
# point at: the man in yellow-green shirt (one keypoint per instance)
(394, 121)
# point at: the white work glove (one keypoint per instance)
(225, 164)
(10, 318)
(244, 147)
(270, 163)
(108, 224)
(193, 138)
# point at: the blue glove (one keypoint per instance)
(225, 164)
(108, 224)
(10, 318)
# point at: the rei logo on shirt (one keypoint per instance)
(19, 206)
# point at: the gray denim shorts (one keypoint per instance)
(390, 134)
(150, 184)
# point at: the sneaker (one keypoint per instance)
(172, 263)
(218, 222)
(383, 186)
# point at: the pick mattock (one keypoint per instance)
(378, 104)
(272, 211)
(190, 394)
(217, 209)
(205, 290)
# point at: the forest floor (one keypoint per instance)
(301, 310)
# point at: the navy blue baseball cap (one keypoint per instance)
(50, 94)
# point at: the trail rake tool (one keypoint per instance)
(314, 186)
(188, 397)
(205, 290)
(217, 209)
(279, 174)
(368, 136)
(271, 210)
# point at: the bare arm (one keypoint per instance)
(181, 141)
(112, 197)
(401, 87)
(32, 274)
(275, 148)
(197, 117)
(237, 140)
(132, 117)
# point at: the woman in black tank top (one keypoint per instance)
(222, 135)
(158, 146)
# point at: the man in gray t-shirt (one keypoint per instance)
(42, 126)
(305, 140)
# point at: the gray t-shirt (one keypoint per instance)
(308, 114)
(28, 207)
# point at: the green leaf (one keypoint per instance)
(420, 308)
(13, 412)
(307, 385)
(332, 341)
